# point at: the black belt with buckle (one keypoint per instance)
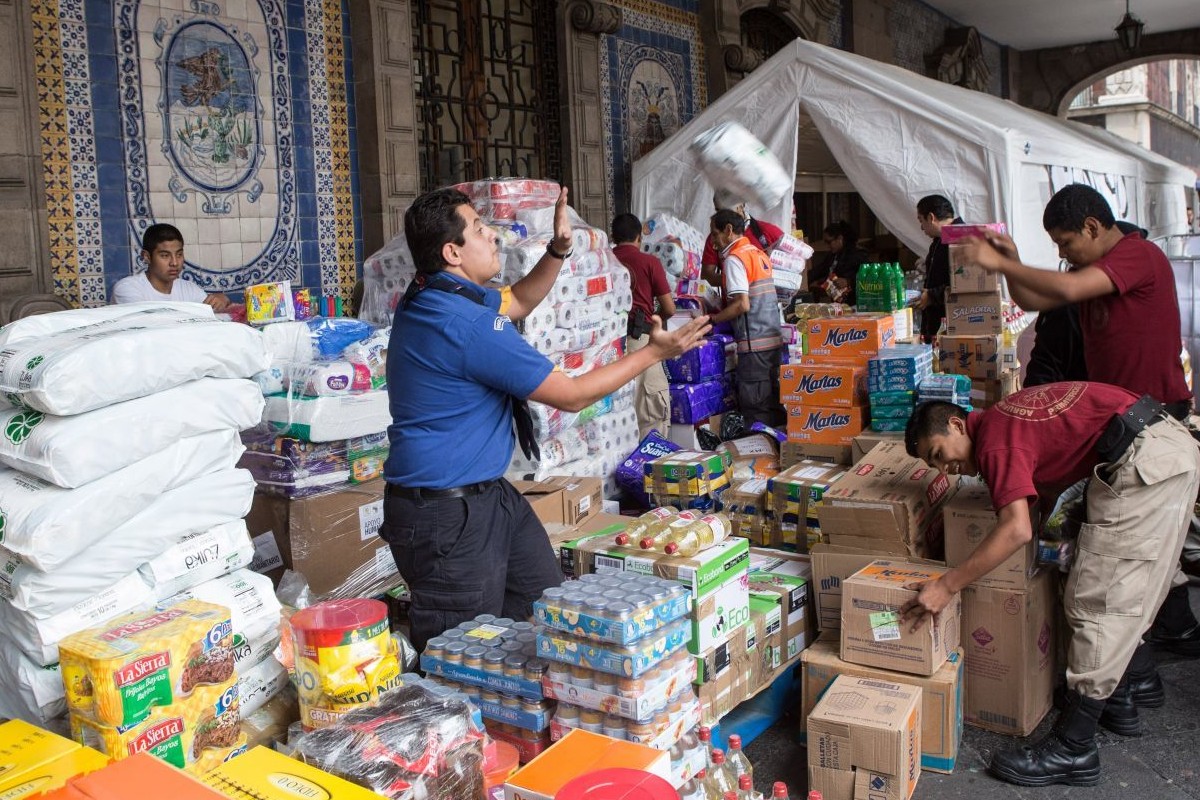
(418, 492)
(1123, 428)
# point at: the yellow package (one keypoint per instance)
(263, 774)
(116, 675)
(196, 734)
(33, 760)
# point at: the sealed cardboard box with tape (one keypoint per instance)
(831, 565)
(969, 518)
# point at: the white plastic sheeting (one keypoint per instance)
(898, 136)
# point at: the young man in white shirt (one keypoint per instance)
(162, 249)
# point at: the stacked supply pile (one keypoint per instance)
(893, 378)
(494, 661)
(797, 315)
(701, 382)
(789, 260)
(981, 325)
(119, 485)
(687, 479)
(618, 663)
(678, 246)
(753, 461)
(792, 498)
(916, 667)
(1010, 616)
(318, 456)
(825, 395)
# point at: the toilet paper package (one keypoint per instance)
(288, 343)
(576, 289)
(733, 159)
(46, 524)
(210, 507)
(327, 419)
(71, 451)
(692, 403)
(701, 364)
(80, 369)
(662, 228)
(326, 378)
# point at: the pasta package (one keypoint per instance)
(117, 674)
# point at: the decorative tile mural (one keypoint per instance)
(652, 82)
(231, 119)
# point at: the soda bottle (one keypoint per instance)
(895, 286)
(720, 779)
(699, 535)
(813, 794)
(736, 758)
(640, 526)
(658, 535)
(901, 297)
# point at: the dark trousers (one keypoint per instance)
(464, 556)
(758, 388)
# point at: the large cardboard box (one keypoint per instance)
(854, 337)
(579, 753)
(825, 425)
(887, 496)
(866, 441)
(581, 497)
(36, 761)
(793, 497)
(974, 313)
(329, 538)
(968, 277)
(267, 774)
(595, 523)
(1008, 640)
(545, 498)
(723, 674)
(831, 565)
(975, 356)
(941, 697)
(717, 578)
(826, 385)
(789, 594)
(969, 518)
(792, 453)
(873, 727)
(872, 631)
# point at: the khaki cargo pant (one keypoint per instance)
(652, 394)
(1128, 553)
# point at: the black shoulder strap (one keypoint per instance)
(758, 234)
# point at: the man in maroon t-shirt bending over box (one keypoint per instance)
(1145, 471)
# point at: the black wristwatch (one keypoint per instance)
(559, 256)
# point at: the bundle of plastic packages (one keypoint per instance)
(503, 199)
(71, 362)
(292, 467)
(420, 741)
(734, 159)
(668, 228)
(568, 446)
(386, 275)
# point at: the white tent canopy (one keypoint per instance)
(898, 136)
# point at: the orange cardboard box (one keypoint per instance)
(578, 753)
(827, 385)
(854, 336)
(141, 775)
(825, 424)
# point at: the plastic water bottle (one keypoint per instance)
(698, 535)
(641, 526)
(901, 297)
(735, 757)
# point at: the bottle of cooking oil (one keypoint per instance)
(657, 536)
(700, 534)
(640, 526)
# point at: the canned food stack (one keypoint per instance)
(494, 662)
(615, 642)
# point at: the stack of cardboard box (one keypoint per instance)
(792, 498)
(1008, 624)
(687, 478)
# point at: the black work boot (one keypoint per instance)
(1120, 713)
(1067, 754)
(1176, 628)
(1145, 686)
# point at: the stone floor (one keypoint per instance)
(1163, 764)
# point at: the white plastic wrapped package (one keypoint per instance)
(29, 691)
(270, 380)
(250, 598)
(288, 343)
(386, 275)
(213, 501)
(585, 314)
(258, 684)
(71, 451)
(328, 419)
(540, 321)
(372, 354)
(82, 369)
(46, 524)
(537, 220)
(574, 289)
(39, 638)
(669, 228)
(588, 239)
(42, 325)
(199, 557)
(326, 378)
(736, 162)
(790, 245)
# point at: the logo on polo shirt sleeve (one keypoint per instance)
(499, 322)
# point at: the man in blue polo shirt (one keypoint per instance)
(466, 541)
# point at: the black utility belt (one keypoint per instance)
(1122, 429)
(419, 493)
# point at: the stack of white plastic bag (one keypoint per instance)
(789, 259)
(580, 325)
(678, 246)
(119, 440)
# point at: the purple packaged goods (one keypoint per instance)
(293, 467)
(630, 474)
(696, 402)
(704, 363)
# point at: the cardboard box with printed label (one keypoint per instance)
(332, 539)
(872, 727)
(978, 357)
(853, 337)
(969, 518)
(826, 385)
(717, 578)
(974, 313)
(887, 497)
(793, 497)
(825, 425)
(747, 508)
(965, 275)
(831, 565)
(866, 441)
(872, 632)
(792, 453)
(941, 697)
(1008, 640)
(545, 498)
(36, 761)
(597, 523)
(790, 595)
(581, 498)
(579, 753)
(789, 565)
(264, 773)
